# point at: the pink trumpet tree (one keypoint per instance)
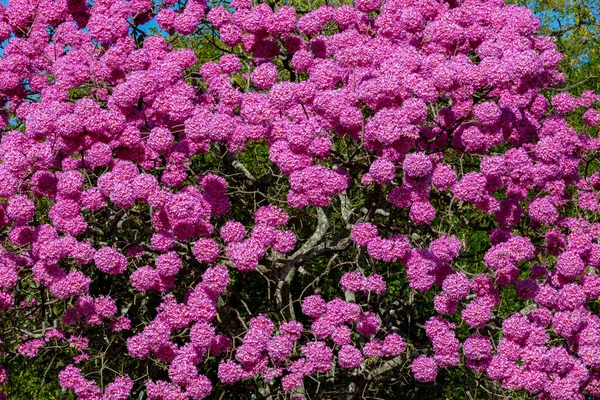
(174, 224)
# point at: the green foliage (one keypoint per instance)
(36, 380)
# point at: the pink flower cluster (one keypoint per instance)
(316, 186)
(260, 344)
(198, 309)
(423, 267)
(365, 234)
(47, 250)
(92, 310)
(269, 354)
(419, 169)
(356, 282)
(72, 378)
(247, 253)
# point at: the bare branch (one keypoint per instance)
(317, 236)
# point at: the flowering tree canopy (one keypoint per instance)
(311, 201)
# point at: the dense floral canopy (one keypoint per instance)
(405, 108)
